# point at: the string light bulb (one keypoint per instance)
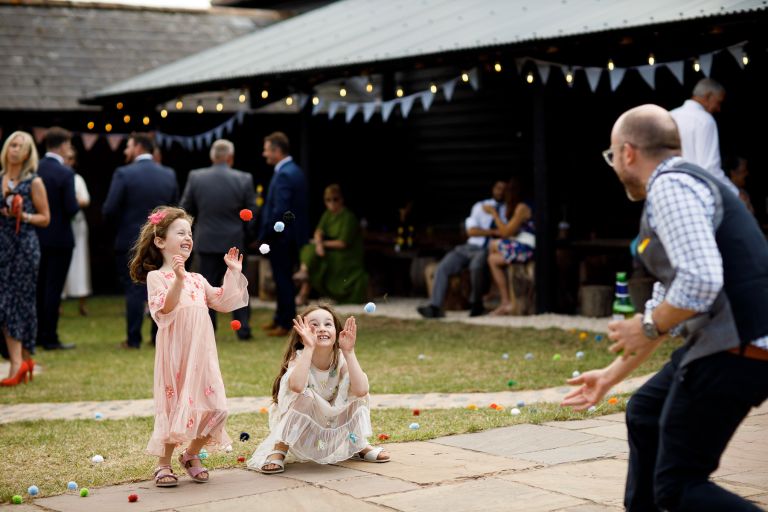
(163, 113)
(399, 92)
(433, 88)
(610, 65)
(465, 77)
(497, 67)
(569, 77)
(90, 125)
(343, 91)
(219, 105)
(745, 59)
(529, 77)
(241, 98)
(264, 94)
(651, 60)
(289, 100)
(200, 109)
(119, 105)
(369, 87)
(315, 100)
(145, 120)
(696, 65)
(108, 127)
(179, 104)
(126, 119)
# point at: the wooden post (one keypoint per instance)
(545, 247)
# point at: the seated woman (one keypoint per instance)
(516, 245)
(332, 264)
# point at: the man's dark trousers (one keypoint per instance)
(213, 268)
(54, 265)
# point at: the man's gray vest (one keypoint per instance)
(739, 314)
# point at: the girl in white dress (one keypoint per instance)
(320, 407)
(78, 283)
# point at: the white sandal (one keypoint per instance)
(371, 455)
(276, 462)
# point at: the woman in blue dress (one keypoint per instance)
(24, 206)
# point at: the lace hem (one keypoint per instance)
(184, 428)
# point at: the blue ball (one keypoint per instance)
(33, 490)
(370, 307)
(98, 416)
(520, 403)
(599, 337)
(203, 454)
(72, 486)
(279, 226)
(414, 426)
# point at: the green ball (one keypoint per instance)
(83, 492)
(511, 383)
(556, 357)
(16, 500)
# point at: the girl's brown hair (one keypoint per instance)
(294, 344)
(146, 255)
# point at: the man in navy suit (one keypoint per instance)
(136, 189)
(56, 240)
(286, 202)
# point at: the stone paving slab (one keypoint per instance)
(370, 485)
(591, 507)
(593, 449)
(485, 495)
(613, 430)
(578, 424)
(429, 463)
(312, 473)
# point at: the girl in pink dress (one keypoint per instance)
(190, 403)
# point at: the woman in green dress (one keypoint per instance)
(332, 263)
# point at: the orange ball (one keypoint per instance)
(613, 400)
(235, 324)
(383, 437)
(246, 214)
(493, 406)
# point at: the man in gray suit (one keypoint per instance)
(214, 196)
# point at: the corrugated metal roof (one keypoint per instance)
(364, 31)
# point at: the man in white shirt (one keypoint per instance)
(480, 228)
(698, 129)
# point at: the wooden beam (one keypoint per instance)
(545, 246)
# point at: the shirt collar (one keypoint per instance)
(694, 104)
(665, 164)
(55, 156)
(282, 162)
(143, 156)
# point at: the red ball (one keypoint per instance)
(246, 214)
(383, 437)
(133, 497)
(416, 412)
(241, 459)
(235, 324)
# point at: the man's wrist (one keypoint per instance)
(650, 328)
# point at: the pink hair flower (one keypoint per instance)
(156, 217)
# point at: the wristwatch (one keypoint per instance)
(649, 326)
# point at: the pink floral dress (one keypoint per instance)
(189, 392)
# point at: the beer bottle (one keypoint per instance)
(622, 305)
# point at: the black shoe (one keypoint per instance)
(430, 311)
(127, 346)
(245, 337)
(476, 310)
(59, 346)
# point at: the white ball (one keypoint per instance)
(579, 355)
(279, 226)
(592, 409)
(575, 373)
(515, 411)
(264, 248)
(96, 459)
(528, 356)
(414, 426)
(422, 357)
(370, 307)
(505, 356)
(228, 449)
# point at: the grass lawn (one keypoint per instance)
(49, 454)
(458, 357)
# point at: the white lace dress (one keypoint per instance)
(323, 423)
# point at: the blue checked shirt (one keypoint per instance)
(681, 211)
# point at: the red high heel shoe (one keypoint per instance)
(31, 366)
(21, 375)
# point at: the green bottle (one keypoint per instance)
(622, 305)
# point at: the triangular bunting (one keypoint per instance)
(406, 104)
(705, 61)
(543, 68)
(368, 110)
(332, 108)
(448, 88)
(351, 111)
(208, 138)
(39, 133)
(386, 109)
(303, 98)
(648, 73)
(593, 77)
(616, 75)
(219, 131)
(89, 139)
(316, 108)
(519, 63)
(677, 69)
(474, 79)
(230, 125)
(114, 141)
(240, 116)
(738, 54)
(426, 99)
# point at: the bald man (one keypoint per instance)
(711, 262)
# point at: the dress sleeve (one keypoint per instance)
(157, 290)
(231, 295)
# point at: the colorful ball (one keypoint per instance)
(33, 490)
(370, 307)
(383, 437)
(556, 357)
(579, 355)
(520, 403)
(515, 412)
(528, 356)
(241, 459)
(582, 336)
(246, 214)
(228, 449)
(133, 498)
(96, 459)
(416, 412)
(472, 407)
(421, 357)
(613, 400)
(84, 492)
(575, 373)
(511, 383)
(72, 486)
(235, 325)
(279, 227)
(203, 454)
(592, 409)
(16, 500)
(505, 356)
(414, 426)
(599, 337)
(244, 436)
(264, 248)
(98, 416)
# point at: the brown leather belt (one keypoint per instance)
(752, 352)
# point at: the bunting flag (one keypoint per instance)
(351, 111)
(544, 68)
(386, 109)
(705, 61)
(427, 97)
(201, 140)
(316, 108)
(738, 53)
(474, 79)
(114, 140)
(616, 75)
(332, 108)
(448, 88)
(593, 77)
(648, 73)
(406, 104)
(677, 69)
(89, 140)
(368, 110)
(39, 134)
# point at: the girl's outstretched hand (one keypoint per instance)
(348, 336)
(178, 267)
(306, 331)
(234, 260)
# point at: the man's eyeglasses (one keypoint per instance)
(608, 156)
(332, 199)
(609, 153)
